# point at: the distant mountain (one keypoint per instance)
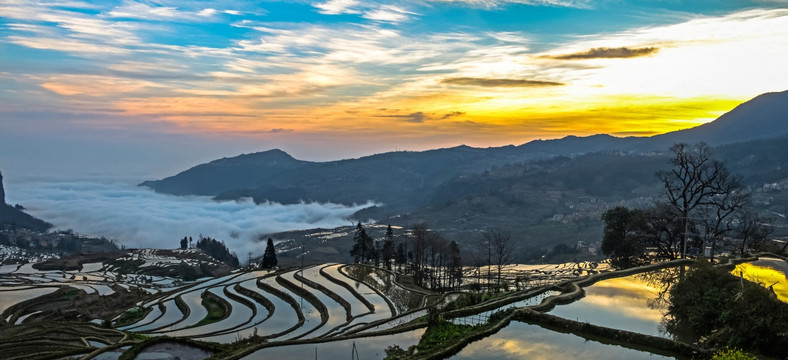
(765, 116)
(227, 174)
(404, 181)
(10, 215)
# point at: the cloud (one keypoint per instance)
(487, 82)
(94, 85)
(501, 3)
(66, 45)
(414, 117)
(452, 114)
(336, 7)
(141, 11)
(607, 53)
(138, 217)
(388, 13)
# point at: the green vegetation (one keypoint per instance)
(130, 316)
(442, 332)
(216, 310)
(71, 294)
(733, 354)
(716, 309)
(468, 299)
(137, 336)
(218, 250)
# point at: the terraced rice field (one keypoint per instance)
(328, 307)
(315, 302)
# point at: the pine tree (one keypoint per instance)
(401, 256)
(269, 257)
(388, 248)
(360, 251)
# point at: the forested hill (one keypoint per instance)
(406, 180)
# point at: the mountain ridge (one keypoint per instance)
(401, 179)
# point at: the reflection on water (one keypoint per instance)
(524, 341)
(768, 272)
(372, 347)
(632, 303)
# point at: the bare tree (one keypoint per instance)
(500, 245)
(664, 230)
(695, 181)
(719, 216)
(751, 231)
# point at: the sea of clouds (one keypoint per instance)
(138, 217)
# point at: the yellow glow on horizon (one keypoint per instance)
(509, 94)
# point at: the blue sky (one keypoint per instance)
(145, 88)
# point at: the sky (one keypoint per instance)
(145, 89)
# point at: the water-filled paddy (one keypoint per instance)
(524, 341)
(384, 282)
(197, 311)
(336, 313)
(368, 348)
(311, 314)
(379, 304)
(10, 298)
(356, 306)
(767, 272)
(626, 303)
(171, 315)
(284, 316)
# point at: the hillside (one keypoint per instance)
(402, 180)
(546, 191)
(14, 216)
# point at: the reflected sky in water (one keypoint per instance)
(369, 348)
(767, 272)
(620, 303)
(524, 341)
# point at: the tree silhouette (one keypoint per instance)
(622, 239)
(388, 248)
(2, 190)
(695, 181)
(501, 248)
(363, 246)
(269, 257)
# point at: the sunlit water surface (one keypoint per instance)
(769, 272)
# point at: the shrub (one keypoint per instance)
(733, 354)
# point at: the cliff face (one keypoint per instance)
(2, 191)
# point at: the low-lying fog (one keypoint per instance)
(138, 217)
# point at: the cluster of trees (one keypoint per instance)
(218, 250)
(704, 206)
(370, 251)
(718, 309)
(496, 250)
(186, 242)
(433, 261)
